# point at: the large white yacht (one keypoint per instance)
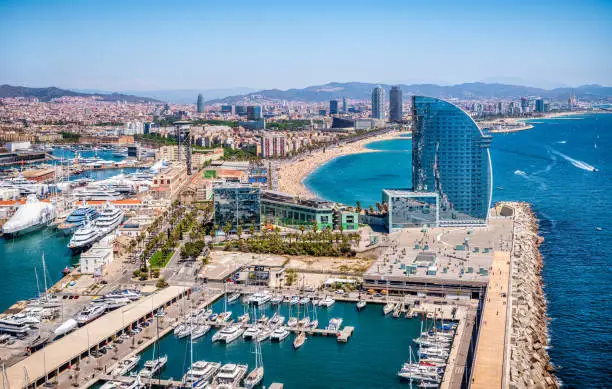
(84, 237)
(230, 375)
(152, 366)
(228, 333)
(260, 298)
(96, 193)
(31, 216)
(201, 372)
(90, 313)
(77, 219)
(110, 218)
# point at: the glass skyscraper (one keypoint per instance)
(450, 157)
(378, 103)
(395, 104)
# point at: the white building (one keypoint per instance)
(99, 255)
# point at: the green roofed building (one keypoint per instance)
(290, 211)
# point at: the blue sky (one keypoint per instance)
(148, 45)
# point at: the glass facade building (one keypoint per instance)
(238, 205)
(450, 157)
(395, 104)
(411, 209)
(290, 211)
(378, 103)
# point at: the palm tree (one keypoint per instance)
(252, 230)
(315, 226)
(302, 228)
(358, 207)
(239, 231)
(226, 229)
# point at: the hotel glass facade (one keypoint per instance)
(450, 156)
(237, 204)
(410, 209)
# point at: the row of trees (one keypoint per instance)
(313, 243)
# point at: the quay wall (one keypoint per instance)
(527, 363)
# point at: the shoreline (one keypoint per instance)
(527, 364)
(291, 175)
(523, 124)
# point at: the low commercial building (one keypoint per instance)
(286, 210)
(167, 183)
(238, 205)
(99, 255)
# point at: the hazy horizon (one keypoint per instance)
(148, 45)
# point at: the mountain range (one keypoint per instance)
(321, 93)
(46, 94)
(476, 90)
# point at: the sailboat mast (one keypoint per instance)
(44, 274)
(37, 283)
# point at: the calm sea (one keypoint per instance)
(549, 167)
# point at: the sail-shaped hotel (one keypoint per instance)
(452, 177)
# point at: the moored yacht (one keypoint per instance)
(84, 238)
(152, 366)
(279, 334)
(228, 333)
(334, 324)
(201, 372)
(110, 218)
(230, 375)
(124, 366)
(31, 216)
(77, 219)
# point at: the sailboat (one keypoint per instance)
(255, 377)
(154, 366)
(299, 340)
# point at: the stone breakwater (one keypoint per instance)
(529, 362)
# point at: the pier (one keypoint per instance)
(72, 349)
(490, 351)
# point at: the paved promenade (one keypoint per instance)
(489, 364)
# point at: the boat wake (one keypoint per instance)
(533, 179)
(577, 163)
(561, 142)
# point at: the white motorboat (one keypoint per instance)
(388, 308)
(244, 318)
(31, 216)
(276, 300)
(305, 322)
(224, 317)
(327, 302)
(292, 322)
(125, 366)
(294, 300)
(360, 305)
(251, 332)
(184, 331)
(304, 300)
(201, 372)
(152, 366)
(198, 331)
(260, 298)
(228, 334)
(279, 334)
(276, 320)
(230, 375)
(334, 324)
(313, 325)
(233, 297)
(263, 334)
(120, 384)
(91, 312)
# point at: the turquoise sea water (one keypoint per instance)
(549, 167)
(370, 359)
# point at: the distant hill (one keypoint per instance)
(475, 90)
(46, 94)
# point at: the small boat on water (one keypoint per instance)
(327, 302)
(228, 334)
(135, 384)
(299, 340)
(276, 300)
(388, 308)
(244, 318)
(233, 297)
(224, 317)
(201, 373)
(292, 322)
(198, 331)
(360, 305)
(124, 366)
(334, 324)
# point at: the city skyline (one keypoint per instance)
(132, 46)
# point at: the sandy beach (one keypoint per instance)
(292, 174)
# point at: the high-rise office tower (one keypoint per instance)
(540, 105)
(200, 103)
(344, 106)
(254, 112)
(451, 160)
(378, 103)
(333, 107)
(395, 104)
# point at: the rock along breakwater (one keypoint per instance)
(527, 358)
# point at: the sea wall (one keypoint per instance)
(527, 360)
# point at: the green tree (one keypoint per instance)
(252, 230)
(226, 229)
(358, 207)
(239, 232)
